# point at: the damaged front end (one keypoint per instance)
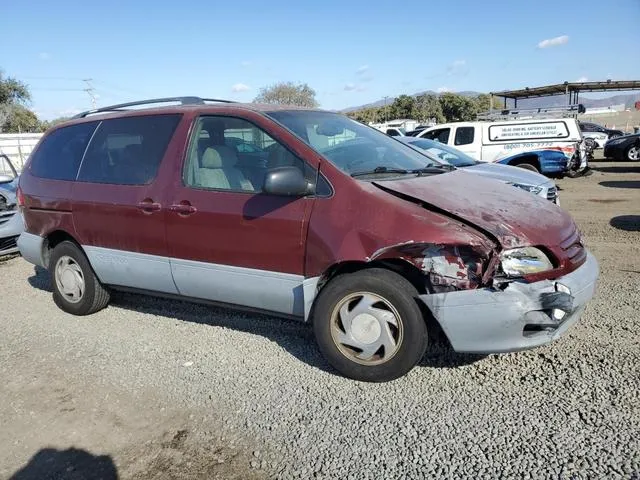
(445, 268)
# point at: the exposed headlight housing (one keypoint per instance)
(519, 262)
(529, 188)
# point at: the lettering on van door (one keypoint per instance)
(528, 131)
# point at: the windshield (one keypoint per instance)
(351, 146)
(443, 152)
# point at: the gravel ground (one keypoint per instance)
(153, 388)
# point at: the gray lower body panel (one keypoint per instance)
(30, 247)
(516, 318)
(131, 269)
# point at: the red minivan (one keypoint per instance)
(302, 213)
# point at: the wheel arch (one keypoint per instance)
(54, 238)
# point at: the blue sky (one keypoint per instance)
(350, 52)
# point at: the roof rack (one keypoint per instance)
(544, 112)
(183, 101)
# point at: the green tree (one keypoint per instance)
(19, 119)
(457, 107)
(483, 102)
(13, 91)
(288, 93)
(403, 106)
(428, 108)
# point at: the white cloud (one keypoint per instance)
(582, 79)
(443, 89)
(350, 87)
(44, 56)
(362, 69)
(240, 87)
(245, 63)
(553, 42)
(457, 67)
(366, 78)
(459, 63)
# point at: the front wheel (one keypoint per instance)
(528, 166)
(369, 326)
(633, 153)
(76, 289)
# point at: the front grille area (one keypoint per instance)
(552, 194)
(7, 244)
(7, 210)
(573, 248)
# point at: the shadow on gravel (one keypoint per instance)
(628, 223)
(71, 464)
(295, 337)
(621, 183)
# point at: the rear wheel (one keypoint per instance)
(528, 166)
(369, 326)
(633, 153)
(76, 289)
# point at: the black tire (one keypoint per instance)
(627, 152)
(528, 166)
(396, 290)
(95, 296)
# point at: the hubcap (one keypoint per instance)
(69, 279)
(634, 154)
(366, 328)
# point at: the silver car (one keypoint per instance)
(11, 224)
(518, 177)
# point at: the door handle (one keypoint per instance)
(149, 206)
(183, 208)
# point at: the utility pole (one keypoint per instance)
(90, 91)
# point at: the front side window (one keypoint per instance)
(230, 153)
(351, 146)
(59, 155)
(440, 134)
(464, 136)
(128, 151)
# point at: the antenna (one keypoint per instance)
(90, 91)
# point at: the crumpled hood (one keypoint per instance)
(512, 216)
(507, 173)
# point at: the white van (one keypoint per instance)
(542, 145)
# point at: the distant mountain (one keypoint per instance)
(556, 101)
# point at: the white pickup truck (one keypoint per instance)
(542, 145)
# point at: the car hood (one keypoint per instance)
(506, 173)
(8, 190)
(511, 216)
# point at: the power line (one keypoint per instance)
(90, 91)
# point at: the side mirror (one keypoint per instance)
(6, 178)
(286, 181)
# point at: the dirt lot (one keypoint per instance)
(151, 389)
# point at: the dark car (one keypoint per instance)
(626, 147)
(594, 127)
(344, 227)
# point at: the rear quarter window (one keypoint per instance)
(59, 155)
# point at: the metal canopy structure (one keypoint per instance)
(572, 89)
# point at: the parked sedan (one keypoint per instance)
(11, 224)
(527, 180)
(588, 127)
(623, 148)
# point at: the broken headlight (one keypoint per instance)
(518, 262)
(529, 188)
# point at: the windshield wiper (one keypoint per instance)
(381, 169)
(434, 169)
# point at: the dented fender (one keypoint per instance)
(446, 266)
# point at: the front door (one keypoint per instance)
(117, 209)
(228, 241)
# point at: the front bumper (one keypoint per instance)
(11, 226)
(516, 318)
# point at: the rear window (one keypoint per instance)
(58, 156)
(128, 151)
(528, 131)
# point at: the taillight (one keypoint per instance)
(20, 198)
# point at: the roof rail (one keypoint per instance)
(182, 100)
(544, 112)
